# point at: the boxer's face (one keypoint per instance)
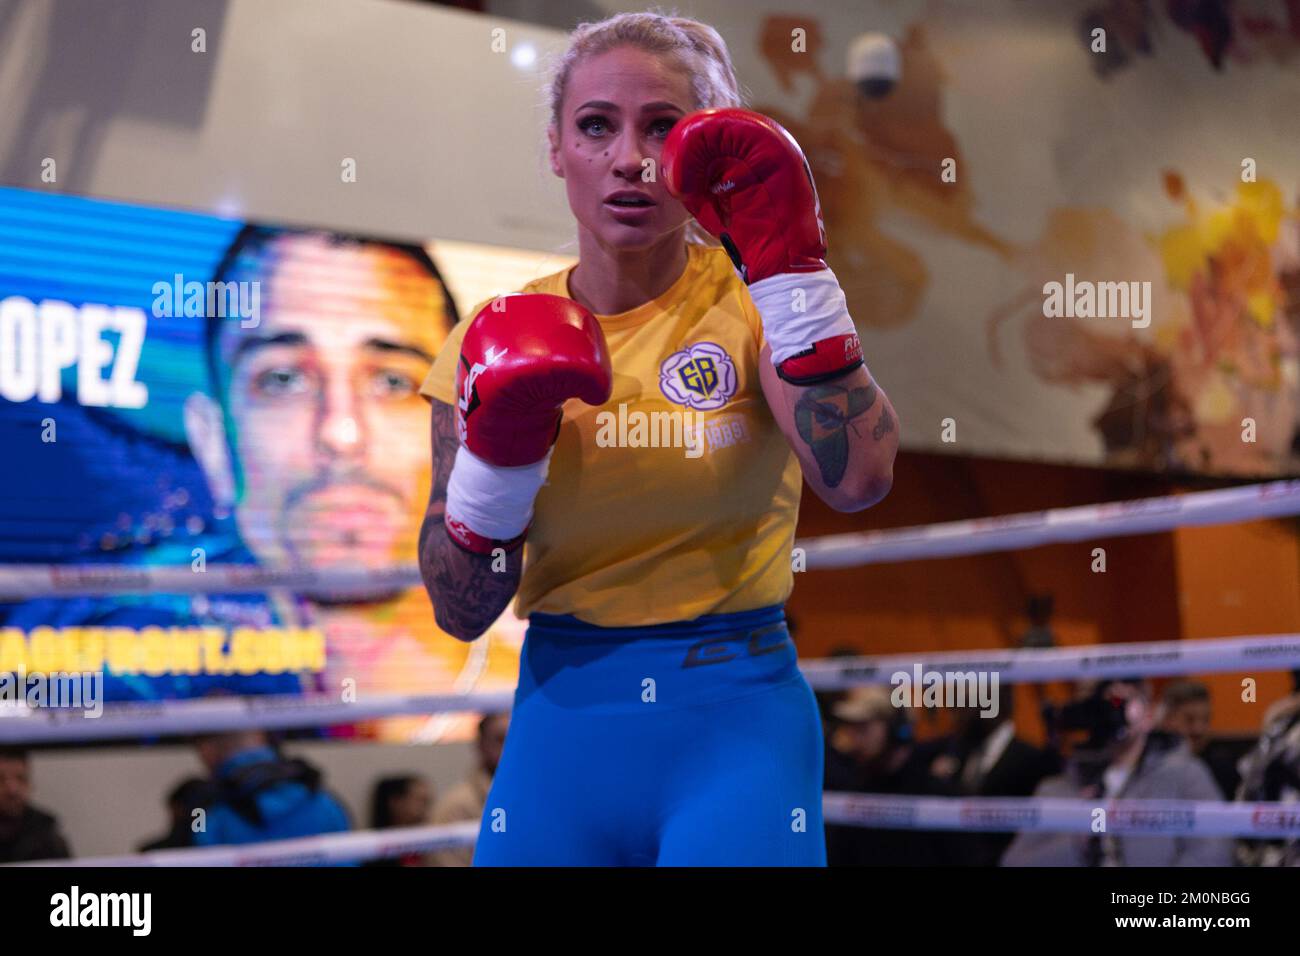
(618, 109)
(329, 430)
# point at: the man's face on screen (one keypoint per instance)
(329, 429)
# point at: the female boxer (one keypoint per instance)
(643, 419)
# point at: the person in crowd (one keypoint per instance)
(466, 800)
(872, 750)
(1270, 772)
(1122, 756)
(827, 700)
(184, 799)
(400, 801)
(983, 757)
(259, 794)
(26, 832)
(1188, 714)
(1039, 634)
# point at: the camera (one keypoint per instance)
(1101, 715)
(875, 64)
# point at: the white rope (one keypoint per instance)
(990, 814)
(1276, 499)
(1034, 529)
(23, 725)
(1145, 659)
(20, 582)
(1207, 818)
(323, 850)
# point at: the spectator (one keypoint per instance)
(828, 699)
(872, 751)
(1271, 772)
(1039, 634)
(983, 757)
(1123, 756)
(260, 795)
(400, 802)
(466, 800)
(186, 797)
(1188, 714)
(26, 833)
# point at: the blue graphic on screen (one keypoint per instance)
(117, 484)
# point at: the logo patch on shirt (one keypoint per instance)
(701, 376)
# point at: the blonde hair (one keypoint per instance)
(694, 44)
(697, 46)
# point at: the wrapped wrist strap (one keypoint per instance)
(490, 506)
(476, 543)
(807, 324)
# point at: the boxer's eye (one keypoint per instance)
(662, 127)
(594, 126)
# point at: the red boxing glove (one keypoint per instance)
(747, 182)
(522, 358)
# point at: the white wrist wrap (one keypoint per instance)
(490, 500)
(824, 313)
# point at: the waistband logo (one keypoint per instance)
(728, 647)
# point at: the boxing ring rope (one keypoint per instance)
(1033, 529)
(1201, 818)
(1034, 665)
(324, 850)
(1196, 818)
(19, 724)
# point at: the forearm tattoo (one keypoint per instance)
(823, 416)
(467, 591)
(884, 426)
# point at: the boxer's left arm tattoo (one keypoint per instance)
(844, 433)
(824, 415)
(884, 426)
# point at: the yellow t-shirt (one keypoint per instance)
(626, 533)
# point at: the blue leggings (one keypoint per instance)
(691, 744)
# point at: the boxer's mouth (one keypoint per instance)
(629, 199)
